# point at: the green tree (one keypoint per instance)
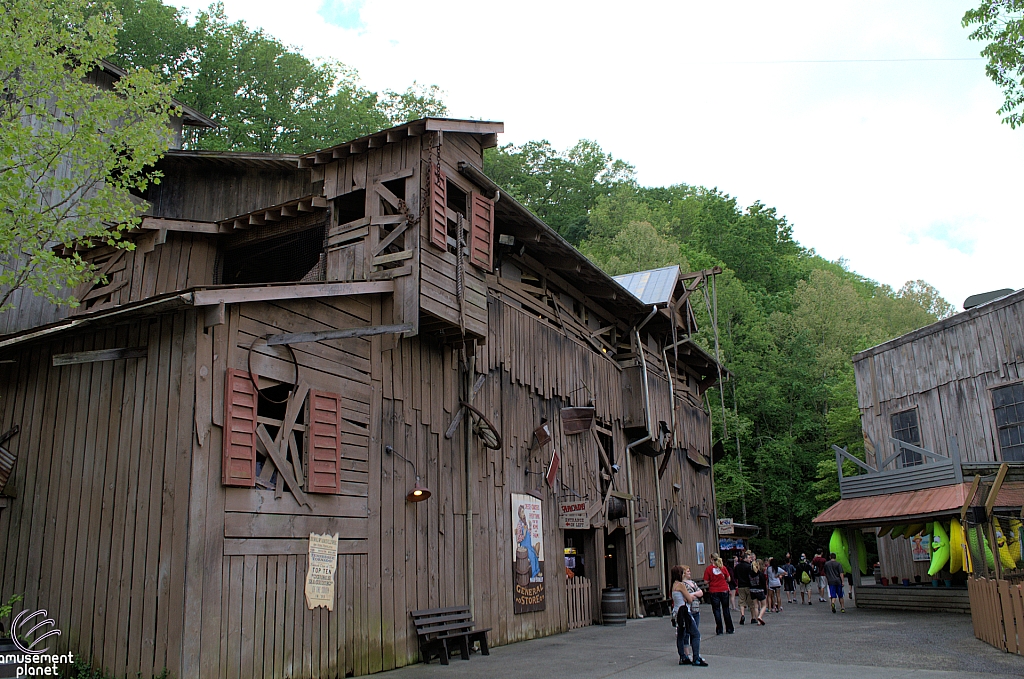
(1001, 24)
(265, 96)
(71, 153)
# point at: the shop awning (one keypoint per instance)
(875, 510)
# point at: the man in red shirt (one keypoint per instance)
(818, 564)
(717, 577)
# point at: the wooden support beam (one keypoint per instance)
(970, 496)
(213, 315)
(284, 471)
(273, 292)
(185, 226)
(100, 355)
(990, 501)
(299, 337)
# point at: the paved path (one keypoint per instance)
(801, 642)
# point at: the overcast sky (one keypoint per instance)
(900, 167)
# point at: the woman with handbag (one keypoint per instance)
(686, 608)
(757, 591)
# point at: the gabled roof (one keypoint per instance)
(489, 129)
(189, 115)
(654, 286)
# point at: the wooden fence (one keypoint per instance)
(580, 602)
(997, 611)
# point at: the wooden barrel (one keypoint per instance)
(614, 607)
(523, 568)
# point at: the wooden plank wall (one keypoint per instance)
(96, 532)
(896, 559)
(946, 375)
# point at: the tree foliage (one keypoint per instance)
(1000, 23)
(71, 153)
(788, 322)
(265, 96)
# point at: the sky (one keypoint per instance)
(870, 125)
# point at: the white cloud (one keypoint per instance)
(895, 166)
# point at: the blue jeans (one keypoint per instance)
(720, 607)
(688, 632)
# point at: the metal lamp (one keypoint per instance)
(419, 492)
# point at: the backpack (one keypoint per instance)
(805, 578)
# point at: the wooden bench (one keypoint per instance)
(654, 603)
(442, 631)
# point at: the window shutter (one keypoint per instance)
(481, 231)
(324, 442)
(438, 207)
(239, 463)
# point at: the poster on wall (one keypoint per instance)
(921, 547)
(700, 553)
(528, 554)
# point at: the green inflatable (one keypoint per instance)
(940, 549)
(972, 542)
(838, 545)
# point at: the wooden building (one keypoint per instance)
(293, 346)
(939, 408)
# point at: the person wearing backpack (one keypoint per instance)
(818, 562)
(805, 579)
(788, 580)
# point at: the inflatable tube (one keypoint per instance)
(1005, 557)
(956, 547)
(1017, 548)
(976, 544)
(838, 545)
(862, 553)
(913, 529)
(940, 549)
(897, 530)
(884, 530)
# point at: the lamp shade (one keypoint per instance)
(419, 493)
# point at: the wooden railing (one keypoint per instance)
(997, 611)
(580, 602)
(936, 470)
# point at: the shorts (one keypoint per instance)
(788, 584)
(744, 598)
(822, 582)
(835, 591)
(805, 587)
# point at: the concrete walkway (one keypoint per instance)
(801, 642)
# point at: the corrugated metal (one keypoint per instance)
(653, 286)
(894, 507)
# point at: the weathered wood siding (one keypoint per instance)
(946, 371)
(97, 528)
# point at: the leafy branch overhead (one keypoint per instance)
(1000, 23)
(66, 178)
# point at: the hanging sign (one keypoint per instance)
(726, 527)
(323, 561)
(573, 515)
(528, 551)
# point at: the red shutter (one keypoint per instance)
(239, 463)
(438, 207)
(324, 451)
(481, 231)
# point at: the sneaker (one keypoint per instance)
(833, 608)
(842, 610)
(700, 662)
(741, 620)
(685, 661)
(810, 603)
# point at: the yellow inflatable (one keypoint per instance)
(956, 547)
(862, 553)
(940, 549)
(838, 545)
(1005, 557)
(1013, 535)
(913, 529)
(897, 530)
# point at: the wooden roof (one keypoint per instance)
(190, 116)
(875, 510)
(488, 129)
(269, 161)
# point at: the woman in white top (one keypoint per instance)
(686, 608)
(774, 586)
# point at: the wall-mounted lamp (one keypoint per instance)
(419, 492)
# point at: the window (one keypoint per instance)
(1008, 406)
(904, 428)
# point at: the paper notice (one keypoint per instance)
(323, 561)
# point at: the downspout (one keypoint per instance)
(657, 485)
(634, 592)
(467, 427)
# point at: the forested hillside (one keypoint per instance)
(788, 320)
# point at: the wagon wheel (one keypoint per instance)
(487, 432)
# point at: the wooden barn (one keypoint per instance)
(372, 342)
(942, 410)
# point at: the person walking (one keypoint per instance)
(789, 580)
(774, 586)
(818, 563)
(742, 574)
(717, 577)
(757, 592)
(834, 576)
(686, 602)
(732, 583)
(805, 579)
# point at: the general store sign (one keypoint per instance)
(573, 515)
